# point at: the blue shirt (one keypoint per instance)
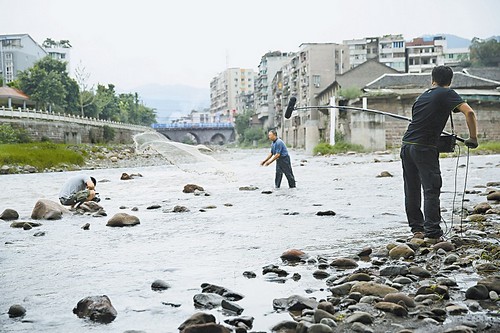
(278, 147)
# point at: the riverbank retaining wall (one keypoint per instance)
(72, 132)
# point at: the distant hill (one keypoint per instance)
(453, 42)
(173, 101)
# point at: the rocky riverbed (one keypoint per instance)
(332, 255)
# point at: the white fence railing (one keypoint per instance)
(27, 114)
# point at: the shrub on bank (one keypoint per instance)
(324, 148)
(9, 134)
(41, 155)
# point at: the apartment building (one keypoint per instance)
(361, 50)
(18, 53)
(225, 91)
(424, 53)
(391, 52)
(269, 65)
(308, 73)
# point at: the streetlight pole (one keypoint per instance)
(2, 60)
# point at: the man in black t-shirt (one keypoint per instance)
(420, 156)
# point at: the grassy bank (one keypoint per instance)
(41, 155)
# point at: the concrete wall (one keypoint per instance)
(67, 132)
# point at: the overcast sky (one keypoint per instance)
(131, 43)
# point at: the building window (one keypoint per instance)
(316, 80)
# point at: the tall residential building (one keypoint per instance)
(424, 53)
(361, 50)
(18, 53)
(225, 90)
(313, 68)
(270, 64)
(391, 52)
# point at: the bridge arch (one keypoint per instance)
(191, 137)
(218, 139)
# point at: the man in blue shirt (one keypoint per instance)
(420, 155)
(279, 153)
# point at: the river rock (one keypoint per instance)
(477, 292)
(293, 255)
(224, 292)
(439, 290)
(359, 277)
(96, 308)
(447, 246)
(319, 328)
(384, 174)
(459, 329)
(456, 310)
(204, 328)
(320, 314)
(420, 271)
(342, 289)
(16, 310)
(481, 208)
(403, 280)
(197, 319)
(326, 306)
(207, 300)
(394, 270)
(286, 326)
(48, 210)
(248, 188)
(21, 224)
(232, 307)
(400, 297)
(476, 218)
(159, 285)
(360, 317)
(294, 303)
(180, 209)
(372, 288)
(241, 321)
(365, 252)
(361, 328)
(397, 309)
(401, 251)
(493, 196)
(123, 220)
(9, 215)
(190, 188)
(326, 213)
(345, 263)
(492, 283)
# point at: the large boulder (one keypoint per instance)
(96, 308)
(372, 288)
(48, 210)
(190, 188)
(123, 220)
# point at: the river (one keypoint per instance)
(245, 231)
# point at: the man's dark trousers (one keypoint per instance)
(421, 170)
(283, 166)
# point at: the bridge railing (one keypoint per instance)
(194, 126)
(27, 114)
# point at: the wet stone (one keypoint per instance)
(16, 310)
(477, 292)
(159, 285)
(9, 214)
(394, 270)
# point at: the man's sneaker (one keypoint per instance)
(418, 234)
(432, 241)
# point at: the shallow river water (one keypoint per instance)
(48, 275)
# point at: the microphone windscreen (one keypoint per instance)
(290, 107)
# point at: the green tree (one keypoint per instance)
(242, 123)
(49, 84)
(485, 53)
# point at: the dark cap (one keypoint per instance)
(93, 181)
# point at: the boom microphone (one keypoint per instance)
(290, 107)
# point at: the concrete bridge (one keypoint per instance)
(201, 133)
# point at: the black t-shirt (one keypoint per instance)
(429, 115)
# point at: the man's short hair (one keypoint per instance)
(93, 181)
(274, 132)
(442, 75)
